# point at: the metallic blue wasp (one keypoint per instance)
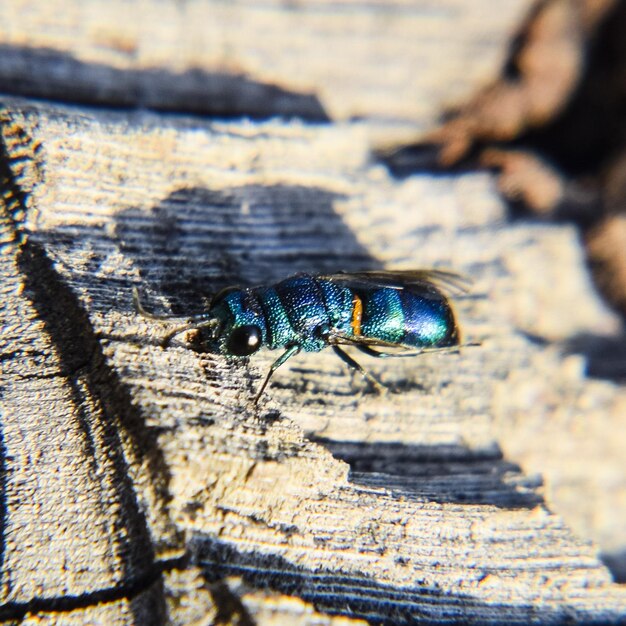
(381, 313)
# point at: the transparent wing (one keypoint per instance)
(370, 344)
(422, 281)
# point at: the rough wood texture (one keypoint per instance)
(398, 63)
(74, 533)
(389, 508)
(232, 601)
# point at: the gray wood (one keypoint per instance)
(396, 63)
(401, 506)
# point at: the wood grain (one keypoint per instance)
(390, 508)
(396, 63)
(73, 536)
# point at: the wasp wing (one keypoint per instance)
(439, 282)
(369, 344)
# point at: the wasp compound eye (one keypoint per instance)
(244, 340)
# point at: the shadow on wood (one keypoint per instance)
(198, 240)
(61, 77)
(361, 596)
(438, 473)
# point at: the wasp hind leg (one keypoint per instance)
(350, 362)
(375, 353)
(275, 365)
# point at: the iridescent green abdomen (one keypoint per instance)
(403, 317)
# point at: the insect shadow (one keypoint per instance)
(198, 241)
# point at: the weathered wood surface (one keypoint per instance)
(73, 531)
(397, 63)
(390, 508)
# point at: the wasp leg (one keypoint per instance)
(350, 362)
(372, 352)
(275, 365)
(388, 355)
(382, 355)
(357, 343)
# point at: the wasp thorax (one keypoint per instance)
(244, 340)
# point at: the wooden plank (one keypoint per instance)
(146, 607)
(399, 63)
(395, 507)
(74, 535)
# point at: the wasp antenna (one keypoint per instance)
(177, 331)
(193, 325)
(152, 316)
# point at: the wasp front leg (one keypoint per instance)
(281, 360)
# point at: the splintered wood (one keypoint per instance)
(391, 508)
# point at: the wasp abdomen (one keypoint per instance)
(403, 317)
